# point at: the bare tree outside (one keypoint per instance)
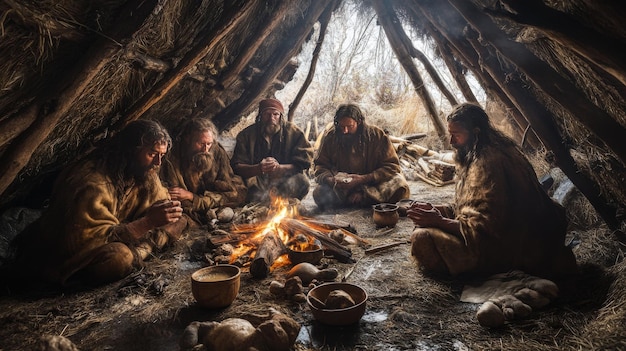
(357, 65)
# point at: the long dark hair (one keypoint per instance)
(353, 111)
(118, 154)
(474, 119)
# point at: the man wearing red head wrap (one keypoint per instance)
(273, 155)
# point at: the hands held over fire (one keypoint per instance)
(270, 166)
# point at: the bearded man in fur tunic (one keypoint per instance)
(107, 213)
(198, 172)
(357, 164)
(501, 219)
(273, 156)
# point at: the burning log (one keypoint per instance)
(344, 227)
(270, 248)
(329, 225)
(340, 252)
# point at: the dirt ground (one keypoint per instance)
(405, 309)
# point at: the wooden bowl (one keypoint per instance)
(216, 286)
(403, 206)
(385, 214)
(344, 316)
(313, 253)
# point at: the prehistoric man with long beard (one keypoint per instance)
(501, 219)
(273, 156)
(198, 172)
(107, 213)
(357, 164)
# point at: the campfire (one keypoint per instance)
(264, 246)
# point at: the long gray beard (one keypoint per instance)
(271, 129)
(202, 162)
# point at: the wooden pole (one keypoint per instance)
(562, 91)
(18, 154)
(386, 18)
(324, 20)
(196, 54)
(290, 46)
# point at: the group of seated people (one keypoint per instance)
(140, 190)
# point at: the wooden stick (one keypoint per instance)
(376, 249)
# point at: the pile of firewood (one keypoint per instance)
(442, 171)
(432, 167)
(333, 236)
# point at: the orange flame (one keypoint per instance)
(280, 208)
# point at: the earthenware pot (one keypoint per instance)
(385, 215)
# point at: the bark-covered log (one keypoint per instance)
(562, 91)
(270, 248)
(289, 49)
(196, 54)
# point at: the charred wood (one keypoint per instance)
(330, 246)
(270, 248)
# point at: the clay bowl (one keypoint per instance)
(403, 206)
(313, 253)
(344, 316)
(216, 286)
(385, 215)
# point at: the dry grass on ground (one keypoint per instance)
(406, 310)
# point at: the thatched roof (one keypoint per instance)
(74, 72)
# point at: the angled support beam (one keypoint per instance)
(197, 53)
(50, 109)
(390, 23)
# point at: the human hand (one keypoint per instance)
(424, 214)
(347, 181)
(178, 193)
(164, 212)
(269, 165)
